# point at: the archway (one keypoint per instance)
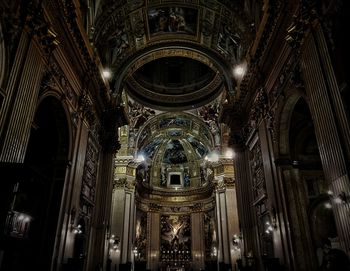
(305, 156)
(310, 214)
(38, 191)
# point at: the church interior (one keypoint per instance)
(174, 135)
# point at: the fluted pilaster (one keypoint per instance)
(245, 203)
(21, 104)
(99, 243)
(325, 119)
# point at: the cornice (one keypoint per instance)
(180, 195)
(203, 205)
(72, 37)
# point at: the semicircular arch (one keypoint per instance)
(199, 53)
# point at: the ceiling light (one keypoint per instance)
(106, 74)
(229, 153)
(213, 157)
(327, 205)
(140, 158)
(239, 71)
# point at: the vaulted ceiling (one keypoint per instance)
(134, 36)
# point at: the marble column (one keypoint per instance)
(116, 223)
(249, 229)
(233, 224)
(223, 234)
(275, 194)
(98, 242)
(153, 237)
(71, 194)
(127, 237)
(197, 240)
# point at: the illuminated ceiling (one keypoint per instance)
(134, 36)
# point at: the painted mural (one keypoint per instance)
(167, 20)
(229, 43)
(199, 148)
(149, 150)
(175, 235)
(177, 122)
(174, 153)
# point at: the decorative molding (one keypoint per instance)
(301, 24)
(257, 171)
(119, 183)
(230, 182)
(204, 205)
(86, 108)
(89, 179)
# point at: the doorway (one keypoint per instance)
(36, 188)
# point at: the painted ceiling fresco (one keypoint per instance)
(135, 24)
(172, 19)
(173, 137)
(174, 153)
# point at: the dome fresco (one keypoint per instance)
(172, 136)
(174, 147)
(174, 153)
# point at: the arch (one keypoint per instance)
(58, 96)
(207, 56)
(47, 154)
(284, 122)
(304, 179)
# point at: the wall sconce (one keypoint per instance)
(341, 198)
(236, 241)
(214, 252)
(270, 226)
(114, 242)
(137, 254)
(77, 229)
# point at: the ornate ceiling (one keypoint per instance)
(132, 36)
(175, 138)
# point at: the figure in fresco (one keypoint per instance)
(176, 226)
(229, 42)
(187, 181)
(163, 179)
(172, 20)
(118, 43)
(139, 114)
(210, 115)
